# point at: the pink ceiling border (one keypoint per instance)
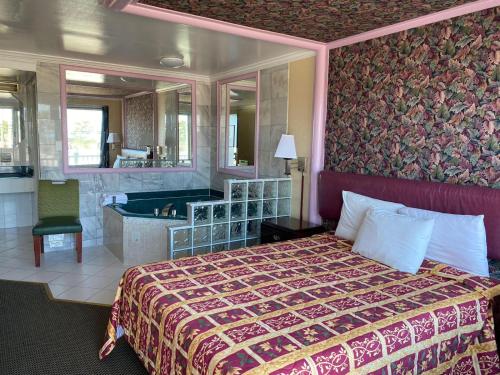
(457, 11)
(322, 60)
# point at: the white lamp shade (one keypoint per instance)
(114, 138)
(286, 148)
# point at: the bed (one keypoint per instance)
(312, 306)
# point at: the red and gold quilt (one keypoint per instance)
(309, 306)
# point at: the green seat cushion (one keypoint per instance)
(57, 225)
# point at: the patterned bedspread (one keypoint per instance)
(309, 306)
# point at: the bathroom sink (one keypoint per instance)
(16, 171)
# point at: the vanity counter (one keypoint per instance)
(14, 185)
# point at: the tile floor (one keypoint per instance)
(93, 280)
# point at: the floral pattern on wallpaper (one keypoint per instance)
(139, 121)
(320, 20)
(422, 104)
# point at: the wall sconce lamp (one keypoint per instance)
(114, 138)
(286, 150)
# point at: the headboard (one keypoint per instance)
(435, 196)
(134, 154)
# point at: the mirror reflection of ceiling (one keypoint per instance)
(242, 98)
(87, 30)
(9, 80)
(319, 20)
(86, 83)
(10, 75)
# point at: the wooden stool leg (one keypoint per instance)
(37, 244)
(42, 245)
(78, 238)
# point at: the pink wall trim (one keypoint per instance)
(234, 170)
(457, 11)
(220, 26)
(116, 4)
(62, 83)
(318, 135)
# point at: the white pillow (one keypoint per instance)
(354, 210)
(457, 240)
(116, 164)
(398, 241)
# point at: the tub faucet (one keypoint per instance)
(169, 210)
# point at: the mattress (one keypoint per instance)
(307, 306)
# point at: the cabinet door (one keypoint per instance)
(269, 235)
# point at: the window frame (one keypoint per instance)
(90, 108)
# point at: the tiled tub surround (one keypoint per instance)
(136, 240)
(231, 223)
(132, 232)
(92, 186)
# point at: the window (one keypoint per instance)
(233, 140)
(6, 122)
(85, 128)
(9, 117)
(184, 144)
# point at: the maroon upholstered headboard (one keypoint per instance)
(435, 196)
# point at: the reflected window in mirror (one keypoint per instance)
(17, 117)
(238, 108)
(17, 114)
(149, 118)
(9, 127)
(87, 133)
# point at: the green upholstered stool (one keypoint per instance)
(59, 213)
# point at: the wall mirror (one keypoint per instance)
(17, 114)
(238, 125)
(114, 121)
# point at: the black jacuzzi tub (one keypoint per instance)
(144, 204)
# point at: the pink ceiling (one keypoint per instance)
(319, 20)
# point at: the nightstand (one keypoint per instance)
(287, 228)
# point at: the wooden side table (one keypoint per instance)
(287, 228)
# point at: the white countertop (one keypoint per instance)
(10, 185)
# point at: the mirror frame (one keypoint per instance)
(236, 171)
(64, 125)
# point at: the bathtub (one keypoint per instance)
(144, 204)
(135, 235)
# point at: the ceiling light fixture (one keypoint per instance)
(73, 75)
(172, 61)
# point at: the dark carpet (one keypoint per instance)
(43, 336)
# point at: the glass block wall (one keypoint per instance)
(231, 223)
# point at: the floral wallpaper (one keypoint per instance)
(139, 121)
(320, 20)
(421, 104)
